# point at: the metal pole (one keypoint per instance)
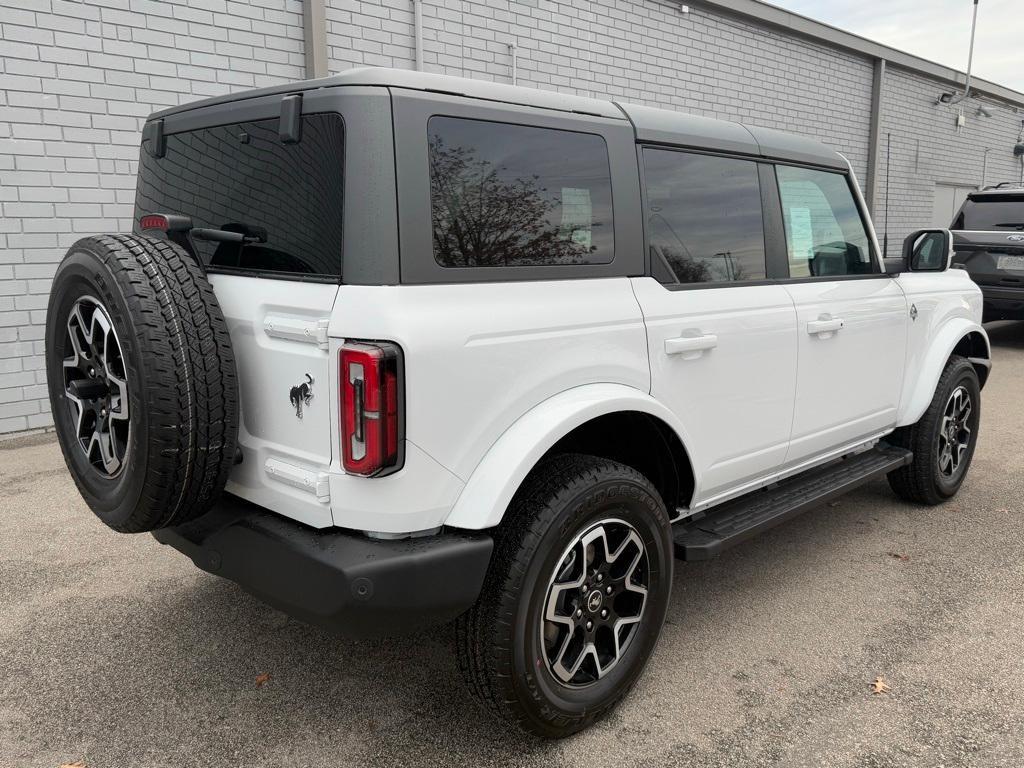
(970, 59)
(888, 159)
(417, 25)
(970, 55)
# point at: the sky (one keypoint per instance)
(939, 30)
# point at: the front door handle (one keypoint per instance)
(684, 344)
(824, 325)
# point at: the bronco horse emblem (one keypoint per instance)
(301, 395)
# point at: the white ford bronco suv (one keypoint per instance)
(392, 349)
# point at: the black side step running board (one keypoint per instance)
(749, 515)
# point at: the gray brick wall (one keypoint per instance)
(635, 50)
(77, 78)
(926, 149)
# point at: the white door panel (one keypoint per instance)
(724, 360)
(279, 334)
(852, 344)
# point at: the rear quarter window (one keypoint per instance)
(504, 195)
(242, 178)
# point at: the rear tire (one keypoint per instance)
(943, 440)
(142, 383)
(581, 541)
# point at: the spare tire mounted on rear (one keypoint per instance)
(141, 379)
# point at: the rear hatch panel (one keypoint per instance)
(992, 258)
(249, 166)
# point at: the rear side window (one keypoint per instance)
(824, 230)
(704, 220)
(505, 195)
(242, 178)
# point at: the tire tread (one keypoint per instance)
(916, 481)
(190, 392)
(483, 634)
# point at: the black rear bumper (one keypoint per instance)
(337, 579)
(1003, 303)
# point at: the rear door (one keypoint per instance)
(851, 318)
(721, 333)
(280, 185)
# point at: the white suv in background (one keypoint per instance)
(391, 349)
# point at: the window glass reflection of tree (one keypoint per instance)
(704, 216)
(509, 195)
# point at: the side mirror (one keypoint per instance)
(928, 250)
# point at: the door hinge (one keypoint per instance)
(294, 329)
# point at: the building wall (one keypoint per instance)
(634, 50)
(78, 78)
(925, 150)
(76, 83)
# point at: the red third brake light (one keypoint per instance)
(154, 221)
(171, 223)
(370, 416)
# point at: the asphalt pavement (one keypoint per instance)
(116, 651)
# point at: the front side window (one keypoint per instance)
(704, 217)
(824, 230)
(505, 195)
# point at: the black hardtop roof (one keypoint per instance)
(651, 124)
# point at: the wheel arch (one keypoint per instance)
(958, 337)
(975, 347)
(591, 419)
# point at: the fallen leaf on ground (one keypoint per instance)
(76, 764)
(879, 686)
(262, 677)
(899, 556)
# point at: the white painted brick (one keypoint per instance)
(18, 424)
(39, 421)
(18, 408)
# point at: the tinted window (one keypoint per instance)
(704, 217)
(242, 178)
(824, 230)
(511, 195)
(988, 213)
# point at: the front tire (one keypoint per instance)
(943, 440)
(575, 597)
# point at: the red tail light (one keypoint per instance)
(371, 428)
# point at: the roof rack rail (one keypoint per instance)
(1005, 185)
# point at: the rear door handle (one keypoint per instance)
(824, 325)
(688, 344)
